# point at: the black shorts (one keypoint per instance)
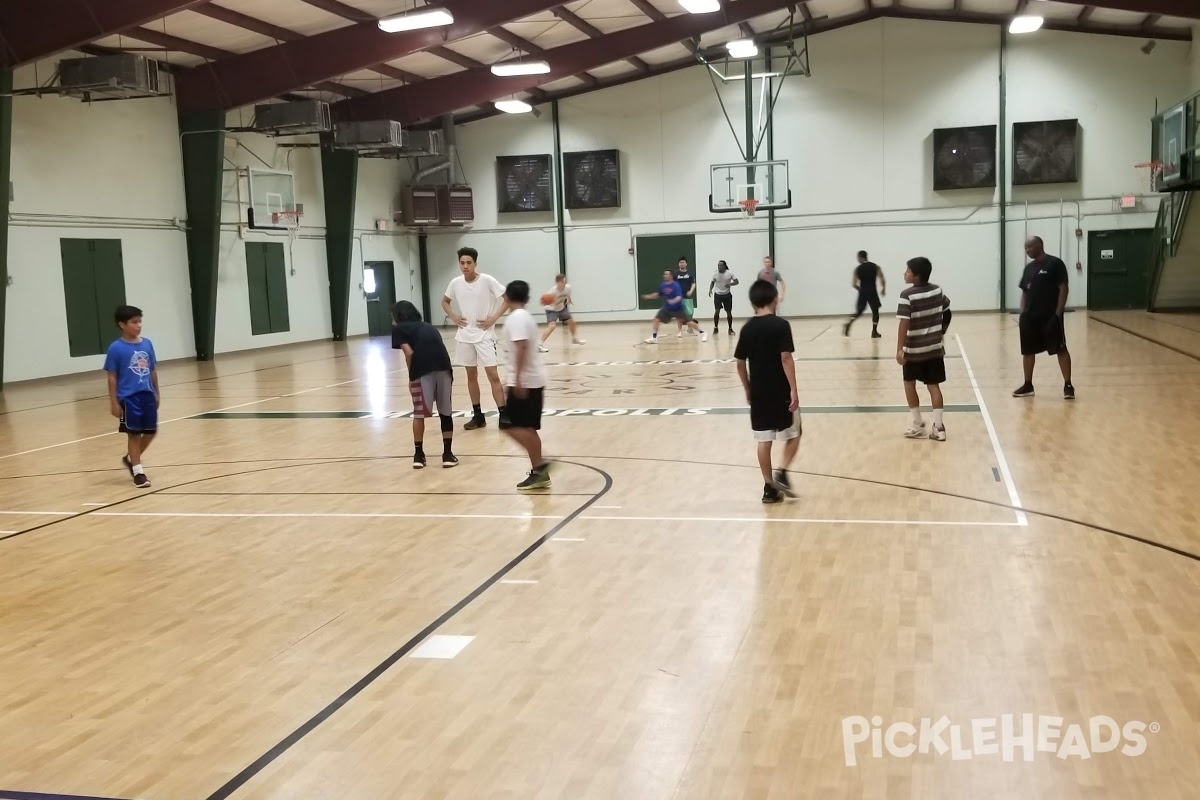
(724, 301)
(668, 314)
(867, 299)
(928, 372)
(525, 412)
(1042, 335)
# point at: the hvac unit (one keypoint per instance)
(419, 206)
(381, 134)
(117, 76)
(422, 143)
(292, 119)
(456, 205)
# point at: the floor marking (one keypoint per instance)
(607, 507)
(517, 581)
(802, 520)
(94, 505)
(365, 515)
(441, 646)
(566, 539)
(1013, 497)
(996, 474)
(39, 513)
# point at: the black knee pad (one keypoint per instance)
(447, 423)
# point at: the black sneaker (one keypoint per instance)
(475, 424)
(782, 484)
(731, 331)
(418, 461)
(504, 423)
(141, 481)
(1068, 392)
(846, 329)
(1026, 390)
(771, 494)
(449, 460)
(876, 335)
(537, 479)
(128, 464)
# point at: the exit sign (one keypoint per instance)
(1129, 201)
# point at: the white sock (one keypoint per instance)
(937, 418)
(137, 469)
(917, 421)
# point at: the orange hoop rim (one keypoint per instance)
(276, 216)
(749, 206)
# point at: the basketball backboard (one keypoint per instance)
(272, 199)
(764, 181)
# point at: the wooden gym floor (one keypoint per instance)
(293, 612)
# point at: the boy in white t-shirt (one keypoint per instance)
(480, 301)
(526, 384)
(560, 311)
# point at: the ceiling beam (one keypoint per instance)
(1150, 21)
(583, 26)
(271, 71)
(1049, 25)
(1084, 13)
(342, 10)
(1021, 6)
(432, 98)
(33, 29)
(655, 15)
(529, 48)
(1188, 9)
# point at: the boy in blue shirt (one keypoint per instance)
(671, 293)
(133, 389)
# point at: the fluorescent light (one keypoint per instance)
(742, 48)
(415, 20)
(513, 106)
(1027, 23)
(512, 68)
(700, 6)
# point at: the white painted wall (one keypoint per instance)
(858, 138)
(113, 170)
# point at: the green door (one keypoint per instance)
(1119, 268)
(379, 287)
(266, 280)
(656, 253)
(277, 293)
(93, 287)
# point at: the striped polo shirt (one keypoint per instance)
(922, 306)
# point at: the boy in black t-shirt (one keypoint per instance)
(1044, 289)
(766, 343)
(430, 378)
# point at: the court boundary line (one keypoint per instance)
(14, 794)
(1002, 463)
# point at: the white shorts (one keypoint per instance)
(476, 354)
(791, 432)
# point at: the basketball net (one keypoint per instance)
(1150, 171)
(749, 207)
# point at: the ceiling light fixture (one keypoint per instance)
(415, 20)
(510, 68)
(700, 6)
(513, 106)
(1026, 23)
(742, 48)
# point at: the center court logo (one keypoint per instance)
(1004, 736)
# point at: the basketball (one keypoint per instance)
(548, 299)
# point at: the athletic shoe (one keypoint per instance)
(651, 340)
(475, 424)
(504, 423)
(141, 481)
(783, 484)
(537, 479)
(1068, 392)
(1026, 390)
(938, 434)
(731, 331)
(771, 494)
(418, 461)
(679, 335)
(703, 336)
(128, 464)
(579, 341)
(543, 349)
(846, 329)
(916, 432)
(876, 335)
(449, 460)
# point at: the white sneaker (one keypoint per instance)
(704, 337)
(651, 340)
(543, 349)
(679, 335)
(938, 434)
(579, 341)
(917, 432)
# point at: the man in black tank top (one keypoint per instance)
(865, 275)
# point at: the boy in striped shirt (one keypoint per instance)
(924, 314)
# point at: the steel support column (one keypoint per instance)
(339, 171)
(1002, 168)
(202, 140)
(560, 210)
(6, 101)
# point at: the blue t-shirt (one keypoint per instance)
(132, 362)
(671, 295)
(686, 281)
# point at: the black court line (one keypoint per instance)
(11, 794)
(365, 494)
(1149, 339)
(267, 758)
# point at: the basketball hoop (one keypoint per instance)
(749, 206)
(286, 219)
(1151, 172)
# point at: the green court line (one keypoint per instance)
(697, 411)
